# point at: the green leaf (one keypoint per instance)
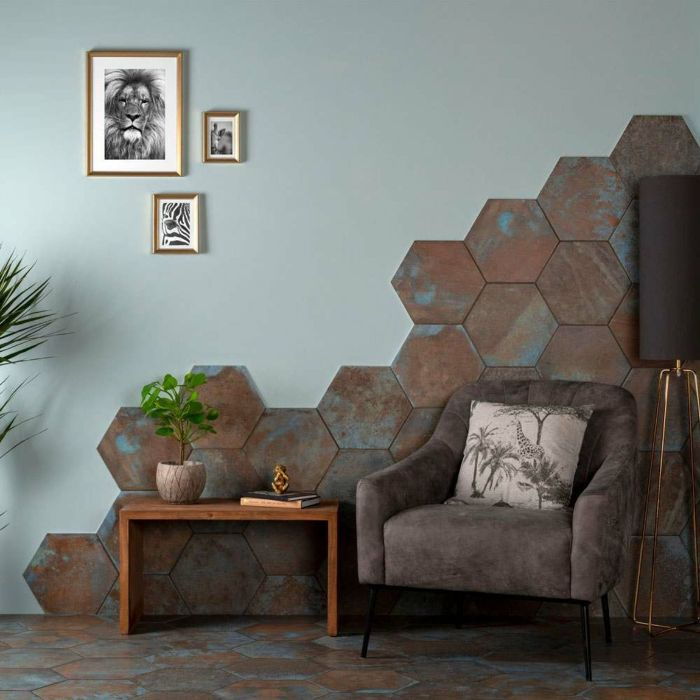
(196, 418)
(212, 414)
(194, 380)
(165, 432)
(169, 382)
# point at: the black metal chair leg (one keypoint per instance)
(606, 618)
(586, 632)
(368, 620)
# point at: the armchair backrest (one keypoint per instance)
(613, 421)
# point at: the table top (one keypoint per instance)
(153, 508)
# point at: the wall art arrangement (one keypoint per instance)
(542, 287)
(134, 128)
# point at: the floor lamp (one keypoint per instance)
(669, 327)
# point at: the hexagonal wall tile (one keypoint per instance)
(655, 145)
(70, 574)
(625, 241)
(509, 374)
(583, 282)
(438, 282)
(288, 595)
(232, 391)
(642, 383)
(295, 437)
(510, 325)
(434, 361)
(584, 199)
(131, 450)
(511, 240)
(163, 540)
(217, 574)
(229, 472)
(415, 432)
(364, 407)
(160, 597)
(584, 354)
(287, 548)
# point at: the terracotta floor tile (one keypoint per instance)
(186, 678)
(48, 639)
(26, 678)
(275, 669)
(35, 658)
(90, 690)
(118, 668)
(257, 690)
(16, 695)
(364, 680)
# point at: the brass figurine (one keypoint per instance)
(280, 480)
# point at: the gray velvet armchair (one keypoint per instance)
(407, 537)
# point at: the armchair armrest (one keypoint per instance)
(602, 523)
(423, 478)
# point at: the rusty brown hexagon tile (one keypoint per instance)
(583, 282)
(584, 199)
(257, 689)
(70, 574)
(231, 390)
(287, 548)
(625, 241)
(510, 325)
(415, 432)
(584, 354)
(363, 680)
(84, 689)
(288, 595)
(131, 450)
(655, 145)
(229, 472)
(642, 383)
(511, 240)
(217, 574)
(160, 597)
(295, 437)
(118, 668)
(17, 682)
(364, 407)
(434, 361)
(509, 374)
(163, 540)
(438, 282)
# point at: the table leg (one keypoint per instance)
(130, 573)
(333, 576)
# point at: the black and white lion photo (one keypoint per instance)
(134, 114)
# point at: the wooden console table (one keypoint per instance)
(133, 515)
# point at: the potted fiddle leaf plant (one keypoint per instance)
(179, 416)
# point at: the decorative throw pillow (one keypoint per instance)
(521, 456)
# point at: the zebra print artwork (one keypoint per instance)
(175, 223)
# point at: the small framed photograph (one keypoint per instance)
(134, 113)
(175, 223)
(221, 142)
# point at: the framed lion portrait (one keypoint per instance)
(134, 113)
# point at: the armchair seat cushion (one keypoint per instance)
(481, 549)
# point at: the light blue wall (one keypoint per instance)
(370, 124)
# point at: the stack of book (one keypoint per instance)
(291, 499)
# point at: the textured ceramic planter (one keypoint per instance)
(181, 483)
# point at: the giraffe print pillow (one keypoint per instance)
(521, 456)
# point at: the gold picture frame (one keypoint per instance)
(175, 223)
(218, 122)
(123, 163)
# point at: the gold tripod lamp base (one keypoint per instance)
(656, 474)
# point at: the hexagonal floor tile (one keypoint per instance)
(584, 199)
(131, 450)
(229, 472)
(25, 679)
(287, 547)
(288, 595)
(263, 689)
(231, 390)
(70, 574)
(364, 407)
(86, 689)
(434, 361)
(583, 282)
(217, 574)
(415, 432)
(438, 282)
(584, 354)
(511, 240)
(510, 325)
(163, 540)
(625, 241)
(99, 669)
(655, 145)
(363, 680)
(642, 383)
(295, 437)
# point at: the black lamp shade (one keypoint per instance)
(669, 267)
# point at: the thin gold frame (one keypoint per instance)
(88, 125)
(157, 199)
(662, 390)
(235, 117)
